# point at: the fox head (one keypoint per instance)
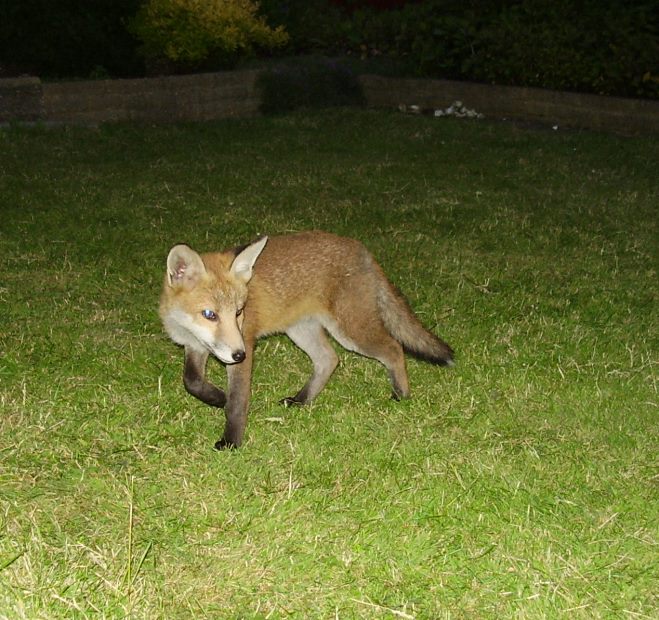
(202, 303)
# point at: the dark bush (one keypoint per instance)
(308, 83)
(599, 46)
(67, 38)
(314, 26)
(594, 46)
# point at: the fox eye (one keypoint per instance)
(209, 314)
(239, 311)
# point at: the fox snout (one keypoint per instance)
(238, 356)
(227, 354)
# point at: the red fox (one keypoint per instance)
(304, 285)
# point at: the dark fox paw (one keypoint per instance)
(398, 396)
(291, 401)
(225, 444)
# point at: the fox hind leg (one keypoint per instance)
(390, 353)
(310, 336)
(371, 339)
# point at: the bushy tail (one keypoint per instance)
(401, 322)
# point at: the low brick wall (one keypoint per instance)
(209, 96)
(199, 97)
(21, 100)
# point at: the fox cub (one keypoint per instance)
(305, 285)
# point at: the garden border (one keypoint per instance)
(553, 108)
(209, 96)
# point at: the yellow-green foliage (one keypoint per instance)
(191, 31)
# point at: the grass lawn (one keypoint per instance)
(520, 484)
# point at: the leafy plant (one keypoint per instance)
(195, 32)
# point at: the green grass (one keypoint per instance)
(520, 484)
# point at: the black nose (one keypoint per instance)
(238, 356)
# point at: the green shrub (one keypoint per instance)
(314, 26)
(600, 46)
(308, 83)
(438, 37)
(593, 46)
(200, 33)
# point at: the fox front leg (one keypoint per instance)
(194, 379)
(239, 378)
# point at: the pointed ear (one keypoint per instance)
(242, 265)
(184, 266)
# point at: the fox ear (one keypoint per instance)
(184, 266)
(242, 265)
